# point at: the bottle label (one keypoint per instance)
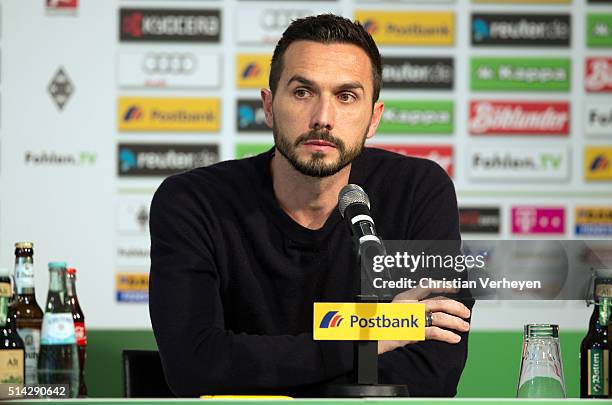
(598, 377)
(5, 290)
(11, 366)
(31, 341)
(81, 335)
(24, 276)
(57, 329)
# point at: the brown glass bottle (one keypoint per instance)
(12, 353)
(595, 347)
(79, 327)
(28, 312)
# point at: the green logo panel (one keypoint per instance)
(244, 150)
(599, 30)
(523, 74)
(417, 117)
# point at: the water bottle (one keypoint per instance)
(541, 374)
(58, 359)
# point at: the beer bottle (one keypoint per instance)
(595, 347)
(12, 352)
(58, 361)
(28, 313)
(79, 327)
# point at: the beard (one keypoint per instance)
(315, 166)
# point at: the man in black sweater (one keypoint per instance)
(242, 249)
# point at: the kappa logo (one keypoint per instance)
(133, 113)
(331, 320)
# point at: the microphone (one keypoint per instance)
(354, 205)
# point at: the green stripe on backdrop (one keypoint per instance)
(491, 371)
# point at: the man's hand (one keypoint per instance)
(447, 315)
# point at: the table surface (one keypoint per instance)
(322, 401)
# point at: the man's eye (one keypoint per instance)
(347, 97)
(300, 93)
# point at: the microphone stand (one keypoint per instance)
(365, 351)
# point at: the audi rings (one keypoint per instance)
(169, 63)
(428, 319)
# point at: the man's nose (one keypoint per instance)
(323, 115)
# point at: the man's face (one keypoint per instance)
(322, 111)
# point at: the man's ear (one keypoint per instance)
(377, 114)
(266, 99)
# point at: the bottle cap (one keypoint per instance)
(57, 265)
(4, 272)
(24, 245)
(71, 270)
(541, 330)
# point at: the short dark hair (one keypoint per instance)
(327, 29)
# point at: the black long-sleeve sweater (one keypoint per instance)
(233, 278)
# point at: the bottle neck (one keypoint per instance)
(5, 297)
(71, 285)
(24, 275)
(604, 308)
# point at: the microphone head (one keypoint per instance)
(351, 194)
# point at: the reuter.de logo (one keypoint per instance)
(518, 163)
(251, 116)
(598, 73)
(175, 25)
(409, 28)
(151, 160)
(441, 154)
(525, 118)
(417, 73)
(521, 29)
(530, 220)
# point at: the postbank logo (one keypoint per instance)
(252, 70)
(368, 321)
(132, 287)
(168, 114)
(594, 221)
(409, 28)
(597, 163)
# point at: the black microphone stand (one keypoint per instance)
(365, 351)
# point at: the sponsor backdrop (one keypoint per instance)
(101, 100)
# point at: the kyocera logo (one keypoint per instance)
(132, 114)
(332, 319)
(132, 24)
(251, 71)
(370, 26)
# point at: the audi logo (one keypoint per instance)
(169, 63)
(280, 19)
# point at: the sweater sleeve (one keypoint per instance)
(431, 368)
(199, 355)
